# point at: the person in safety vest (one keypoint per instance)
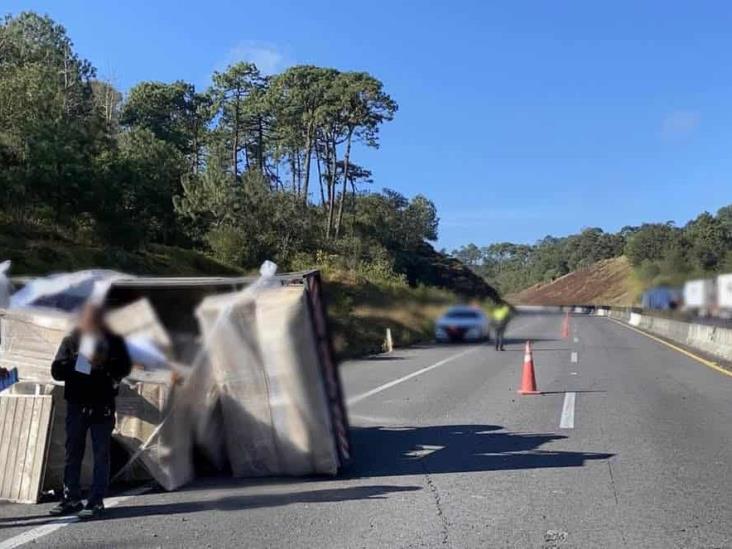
(500, 315)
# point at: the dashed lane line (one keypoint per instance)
(567, 420)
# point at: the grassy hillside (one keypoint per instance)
(607, 282)
(38, 250)
(361, 310)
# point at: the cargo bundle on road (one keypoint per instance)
(238, 370)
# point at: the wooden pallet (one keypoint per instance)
(25, 425)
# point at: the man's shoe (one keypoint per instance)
(66, 507)
(91, 511)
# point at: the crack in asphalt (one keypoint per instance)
(612, 482)
(438, 504)
(615, 494)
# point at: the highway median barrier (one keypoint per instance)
(709, 338)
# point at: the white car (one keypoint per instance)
(462, 323)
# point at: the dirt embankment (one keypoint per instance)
(607, 282)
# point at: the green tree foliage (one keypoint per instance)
(238, 99)
(724, 215)
(50, 130)
(297, 99)
(229, 169)
(660, 252)
(650, 242)
(710, 239)
(175, 114)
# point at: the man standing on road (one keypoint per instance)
(501, 316)
(91, 361)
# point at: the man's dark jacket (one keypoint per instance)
(99, 388)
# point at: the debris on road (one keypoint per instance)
(238, 370)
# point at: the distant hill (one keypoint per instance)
(607, 282)
(429, 267)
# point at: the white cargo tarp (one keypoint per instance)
(264, 375)
(65, 291)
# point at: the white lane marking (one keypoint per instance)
(377, 420)
(54, 524)
(376, 390)
(567, 421)
(573, 357)
(423, 450)
(576, 339)
(573, 373)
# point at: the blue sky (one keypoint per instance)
(519, 119)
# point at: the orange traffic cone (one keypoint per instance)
(565, 326)
(528, 380)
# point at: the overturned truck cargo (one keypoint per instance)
(239, 370)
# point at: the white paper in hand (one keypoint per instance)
(83, 366)
(87, 347)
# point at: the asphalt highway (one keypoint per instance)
(627, 446)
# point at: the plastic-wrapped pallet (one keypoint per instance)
(149, 426)
(157, 434)
(29, 340)
(288, 346)
(265, 377)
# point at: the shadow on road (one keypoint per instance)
(379, 452)
(377, 358)
(230, 503)
(388, 451)
(522, 340)
(564, 392)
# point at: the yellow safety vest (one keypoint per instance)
(500, 314)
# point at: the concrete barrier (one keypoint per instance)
(715, 340)
(711, 339)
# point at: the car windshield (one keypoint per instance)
(463, 314)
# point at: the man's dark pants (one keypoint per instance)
(500, 331)
(100, 422)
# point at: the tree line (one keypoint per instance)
(254, 166)
(661, 253)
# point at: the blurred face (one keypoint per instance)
(90, 320)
